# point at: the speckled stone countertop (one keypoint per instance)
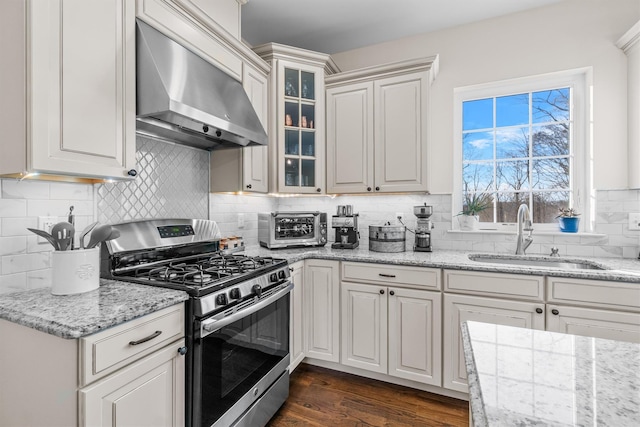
(79, 315)
(523, 377)
(616, 269)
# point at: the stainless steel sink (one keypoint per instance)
(533, 262)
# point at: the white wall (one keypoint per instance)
(571, 34)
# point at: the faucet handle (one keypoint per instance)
(554, 252)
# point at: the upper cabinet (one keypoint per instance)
(377, 127)
(630, 45)
(68, 85)
(296, 119)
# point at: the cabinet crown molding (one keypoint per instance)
(269, 51)
(430, 63)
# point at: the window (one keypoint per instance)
(522, 141)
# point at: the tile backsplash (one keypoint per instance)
(173, 181)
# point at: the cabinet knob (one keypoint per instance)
(392, 293)
(539, 310)
(249, 186)
(182, 351)
(368, 188)
(377, 188)
(318, 190)
(205, 128)
(132, 172)
(381, 291)
(554, 311)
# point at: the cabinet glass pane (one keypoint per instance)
(308, 173)
(291, 114)
(292, 142)
(308, 143)
(291, 82)
(308, 87)
(308, 116)
(291, 172)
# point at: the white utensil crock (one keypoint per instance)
(75, 272)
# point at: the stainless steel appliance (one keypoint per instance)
(423, 228)
(237, 326)
(387, 238)
(292, 229)
(345, 224)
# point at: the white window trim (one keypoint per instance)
(579, 80)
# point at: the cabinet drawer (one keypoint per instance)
(104, 352)
(422, 277)
(596, 293)
(499, 285)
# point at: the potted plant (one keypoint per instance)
(473, 204)
(568, 220)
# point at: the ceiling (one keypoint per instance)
(332, 26)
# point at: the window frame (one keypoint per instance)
(579, 82)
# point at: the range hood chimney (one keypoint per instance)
(185, 99)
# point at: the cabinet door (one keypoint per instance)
(400, 114)
(460, 308)
(350, 138)
(364, 326)
(82, 98)
(149, 392)
(415, 339)
(300, 128)
(322, 310)
(296, 330)
(255, 159)
(594, 323)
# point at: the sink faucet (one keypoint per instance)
(524, 224)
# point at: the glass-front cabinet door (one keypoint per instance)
(301, 124)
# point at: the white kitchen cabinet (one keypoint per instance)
(322, 310)
(592, 322)
(70, 85)
(296, 330)
(462, 308)
(390, 320)
(296, 118)
(245, 169)
(377, 128)
(102, 379)
(629, 44)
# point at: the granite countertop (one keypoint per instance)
(79, 315)
(523, 377)
(616, 269)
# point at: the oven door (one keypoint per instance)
(240, 363)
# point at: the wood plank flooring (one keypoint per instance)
(320, 397)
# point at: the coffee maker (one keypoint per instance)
(345, 223)
(423, 228)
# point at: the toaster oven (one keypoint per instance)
(292, 229)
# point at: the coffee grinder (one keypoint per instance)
(345, 223)
(423, 228)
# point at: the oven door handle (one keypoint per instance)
(212, 325)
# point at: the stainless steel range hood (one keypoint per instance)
(185, 99)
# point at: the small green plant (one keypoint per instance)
(567, 213)
(475, 203)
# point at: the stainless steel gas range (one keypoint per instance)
(237, 322)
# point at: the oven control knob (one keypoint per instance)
(222, 299)
(257, 289)
(273, 277)
(234, 293)
(281, 275)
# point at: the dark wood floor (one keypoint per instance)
(323, 397)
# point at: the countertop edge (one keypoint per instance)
(475, 391)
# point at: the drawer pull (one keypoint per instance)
(143, 340)
(393, 276)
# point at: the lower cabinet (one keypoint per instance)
(461, 308)
(322, 310)
(296, 328)
(592, 322)
(391, 330)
